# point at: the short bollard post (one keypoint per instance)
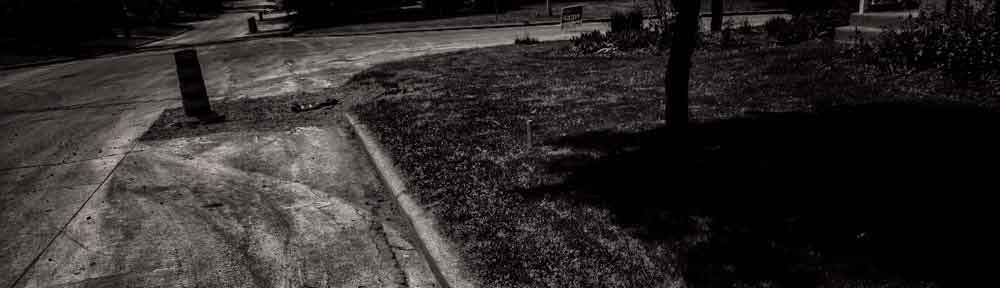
(260, 15)
(194, 96)
(252, 23)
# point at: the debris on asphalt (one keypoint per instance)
(212, 205)
(298, 107)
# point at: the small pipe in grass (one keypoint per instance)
(527, 129)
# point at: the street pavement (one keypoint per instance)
(227, 26)
(85, 203)
(230, 25)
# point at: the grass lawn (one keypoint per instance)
(802, 169)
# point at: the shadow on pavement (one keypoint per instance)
(882, 192)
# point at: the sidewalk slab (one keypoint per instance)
(36, 203)
(299, 208)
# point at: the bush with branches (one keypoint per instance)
(796, 30)
(965, 44)
(626, 21)
(627, 34)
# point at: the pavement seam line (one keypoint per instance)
(62, 229)
(87, 106)
(436, 250)
(60, 163)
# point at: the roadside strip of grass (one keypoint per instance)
(802, 169)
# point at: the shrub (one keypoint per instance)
(627, 33)
(589, 42)
(628, 21)
(525, 40)
(732, 37)
(824, 15)
(797, 30)
(746, 28)
(631, 40)
(964, 45)
(597, 42)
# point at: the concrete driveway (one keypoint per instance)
(85, 203)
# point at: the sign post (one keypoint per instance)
(571, 14)
(194, 96)
(252, 24)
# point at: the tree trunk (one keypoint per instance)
(717, 15)
(679, 65)
(996, 15)
(126, 26)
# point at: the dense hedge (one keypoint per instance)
(964, 44)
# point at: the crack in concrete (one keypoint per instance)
(397, 247)
(63, 228)
(381, 240)
(78, 243)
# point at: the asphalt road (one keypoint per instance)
(230, 25)
(85, 203)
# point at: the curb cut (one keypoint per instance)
(442, 261)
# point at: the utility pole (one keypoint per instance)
(679, 64)
(717, 15)
(548, 6)
(996, 14)
(126, 26)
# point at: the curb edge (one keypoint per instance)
(444, 263)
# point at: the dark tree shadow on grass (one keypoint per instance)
(881, 192)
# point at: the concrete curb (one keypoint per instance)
(292, 33)
(445, 264)
(273, 34)
(446, 28)
(508, 25)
